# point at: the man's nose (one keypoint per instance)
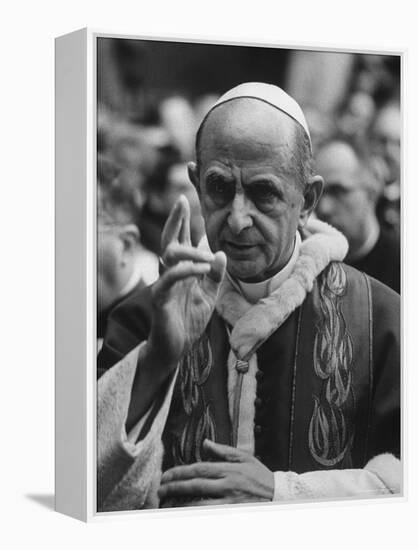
(239, 217)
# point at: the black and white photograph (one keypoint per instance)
(248, 204)
(209, 247)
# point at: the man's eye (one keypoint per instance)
(218, 188)
(221, 189)
(265, 197)
(263, 193)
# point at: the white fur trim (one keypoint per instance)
(381, 476)
(389, 470)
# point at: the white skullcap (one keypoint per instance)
(271, 94)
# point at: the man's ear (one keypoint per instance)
(129, 236)
(311, 196)
(194, 175)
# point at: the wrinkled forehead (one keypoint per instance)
(247, 129)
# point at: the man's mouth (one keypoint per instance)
(242, 247)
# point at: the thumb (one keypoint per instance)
(223, 452)
(218, 267)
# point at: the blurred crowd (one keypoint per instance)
(369, 116)
(142, 170)
(143, 150)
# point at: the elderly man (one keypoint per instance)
(262, 368)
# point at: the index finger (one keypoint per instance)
(174, 223)
(211, 470)
(185, 227)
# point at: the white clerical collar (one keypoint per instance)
(256, 291)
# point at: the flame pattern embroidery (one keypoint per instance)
(194, 371)
(330, 431)
(188, 448)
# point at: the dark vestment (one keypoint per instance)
(328, 380)
(103, 316)
(383, 261)
(151, 225)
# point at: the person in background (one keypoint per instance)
(385, 138)
(124, 266)
(351, 192)
(152, 155)
(357, 115)
(163, 185)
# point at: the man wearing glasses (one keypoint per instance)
(348, 202)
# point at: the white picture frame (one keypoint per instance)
(76, 95)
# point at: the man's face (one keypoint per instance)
(345, 203)
(386, 138)
(250, 200)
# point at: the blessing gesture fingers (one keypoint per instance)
(176, 241)
(185, 295)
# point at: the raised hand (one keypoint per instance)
(185, 295)
(183, 300)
